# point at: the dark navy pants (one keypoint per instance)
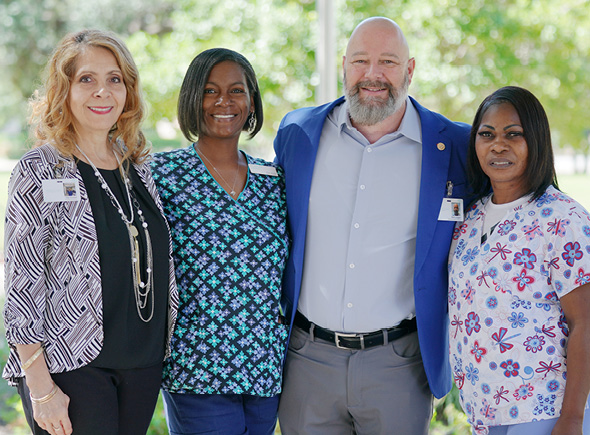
(222, 414)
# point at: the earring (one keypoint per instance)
(251, 122)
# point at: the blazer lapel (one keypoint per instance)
(436, 154)
(303, 162)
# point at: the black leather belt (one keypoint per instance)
(356, 341)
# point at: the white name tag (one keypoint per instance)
(451, 209)
(264, 170)
(63, 189)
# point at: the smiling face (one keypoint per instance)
(377, 71)
(226, 102)
(97, 93)
(502, 152)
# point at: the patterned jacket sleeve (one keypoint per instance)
(26, 241)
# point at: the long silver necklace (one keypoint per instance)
(231, 186)
(142, 290)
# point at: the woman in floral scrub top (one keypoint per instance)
(519, 283)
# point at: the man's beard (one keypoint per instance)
(371, 110)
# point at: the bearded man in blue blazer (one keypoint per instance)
(374, 181)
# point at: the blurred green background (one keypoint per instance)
(464, 50)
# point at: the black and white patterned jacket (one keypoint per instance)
(52, 281)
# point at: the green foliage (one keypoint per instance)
(32, 28)
(158, 424)
(464, 49)
(448, 417)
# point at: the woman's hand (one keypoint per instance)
(50, 404)
(52, 415)
(567, 426)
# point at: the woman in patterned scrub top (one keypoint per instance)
(519, 283)
(227, 215)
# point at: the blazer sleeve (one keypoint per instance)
(27, 235)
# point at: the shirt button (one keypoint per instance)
(349, 305)
(369, 149)
(362, 187)
(351, 265)
(356, 225)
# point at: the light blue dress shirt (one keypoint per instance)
(362, 223)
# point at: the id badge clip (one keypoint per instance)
(451, 209)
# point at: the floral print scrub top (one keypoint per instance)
(229, 257)
(508, 334)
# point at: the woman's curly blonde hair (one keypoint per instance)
(51, 115)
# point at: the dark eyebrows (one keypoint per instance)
(231, 84)
(512, 125)
(505, 128)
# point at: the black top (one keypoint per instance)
(128, 341)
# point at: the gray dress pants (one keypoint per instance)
(332, 391)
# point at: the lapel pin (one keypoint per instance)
(440, 146)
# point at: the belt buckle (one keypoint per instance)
(338, 335)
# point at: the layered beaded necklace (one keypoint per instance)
(142, 290)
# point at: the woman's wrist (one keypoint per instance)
(30, 361)
(39, 384)
(570, 414)
(46, 398)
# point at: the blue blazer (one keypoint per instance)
(296, 146)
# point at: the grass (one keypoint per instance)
(577, 186)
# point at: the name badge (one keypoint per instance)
(264, 170)
(451, 209)
(62, 189)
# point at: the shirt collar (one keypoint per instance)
(409, 127)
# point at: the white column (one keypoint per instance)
(326, 52)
